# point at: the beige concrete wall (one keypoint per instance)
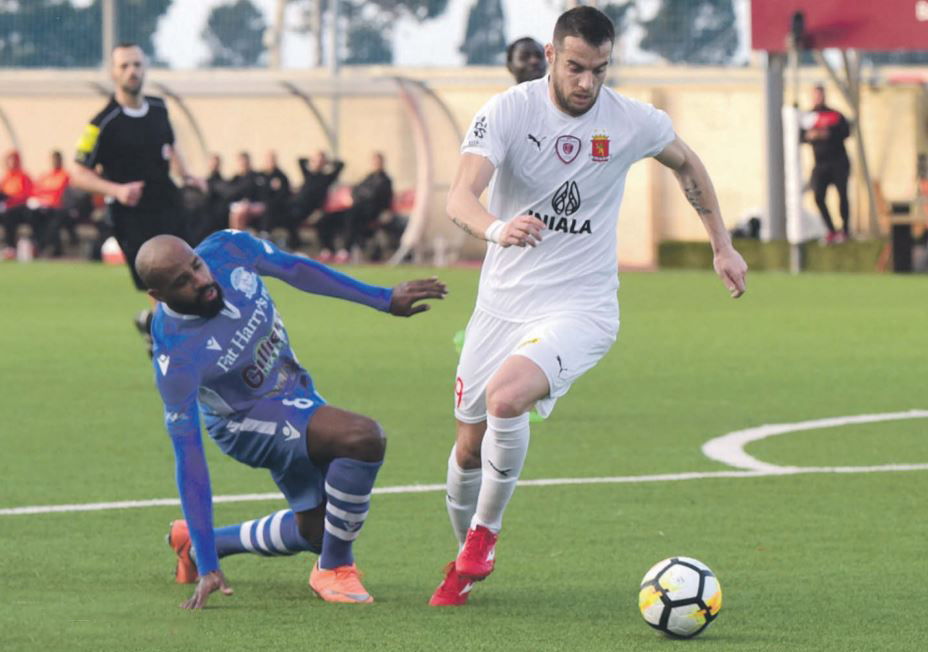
(719, 112)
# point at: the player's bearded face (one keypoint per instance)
(208, 302)
(578, 71)
(195, 292)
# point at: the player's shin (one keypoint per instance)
(463, 487)
(503, 455)
(348, 486)
(271, 535)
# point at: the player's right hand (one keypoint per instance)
(521, 231)
(207, 584)
(130, 193)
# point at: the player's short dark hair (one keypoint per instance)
(511, 49)
(588, 23)
(125, 44)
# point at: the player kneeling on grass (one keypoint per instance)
(221, 350)
(558, 150)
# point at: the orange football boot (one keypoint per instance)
(342, 584)
(179, 539)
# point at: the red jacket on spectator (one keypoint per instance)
(16, 184)
(50, 187)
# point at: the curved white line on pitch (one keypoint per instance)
(729, 449)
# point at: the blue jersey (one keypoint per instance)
(220, 367)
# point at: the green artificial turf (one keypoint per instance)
(806, 562)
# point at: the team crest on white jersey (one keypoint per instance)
(567, 148)
(244, 281)
(600, 152)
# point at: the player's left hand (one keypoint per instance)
(207, 584)
(732, 269)
(405, 296)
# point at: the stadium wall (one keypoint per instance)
(718, 111)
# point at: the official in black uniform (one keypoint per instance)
(126, 153)
(825, 129)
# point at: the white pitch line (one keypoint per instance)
(427, 488)
(729, 449)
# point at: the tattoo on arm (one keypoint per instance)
(694, 197)
(469, 231)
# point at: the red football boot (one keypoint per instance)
(453, 591)
(476, 559)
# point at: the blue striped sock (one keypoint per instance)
(272, 535)
(348, 485)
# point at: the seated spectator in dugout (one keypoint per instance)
(49, 208)
(15, 190)
(246, 194)
(211, 207)
(277, 195)
(319, 174)
(369, 199)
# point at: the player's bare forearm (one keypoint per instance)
(466, 211)
(83, 178)
(697, 187)
(463, 205)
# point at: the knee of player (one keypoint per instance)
(467, 458)
(368, 439)
(504, 402)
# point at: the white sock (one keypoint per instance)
(503, 455)
(463, 485)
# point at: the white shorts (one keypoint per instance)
(564, 346)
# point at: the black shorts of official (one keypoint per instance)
(132, 227)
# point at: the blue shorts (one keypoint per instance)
(272, 435)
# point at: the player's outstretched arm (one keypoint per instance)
(696, 185)
(406, 296)
(466, 211)
(178, 383)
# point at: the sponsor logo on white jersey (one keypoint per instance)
(244, 281)
(213, 345)
(163, 362)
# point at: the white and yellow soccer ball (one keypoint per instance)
(680, 596)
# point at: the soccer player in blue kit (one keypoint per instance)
(221, 352)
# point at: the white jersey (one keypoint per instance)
(569, 172)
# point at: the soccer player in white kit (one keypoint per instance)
(555, 153)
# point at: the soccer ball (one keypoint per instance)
(679, 596)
